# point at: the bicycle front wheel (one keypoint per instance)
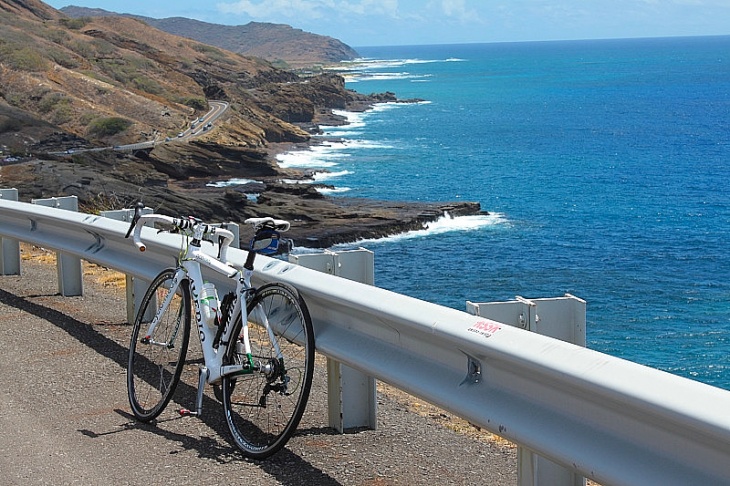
(156, 361)
(263, 408)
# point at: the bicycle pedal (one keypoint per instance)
(184, 412)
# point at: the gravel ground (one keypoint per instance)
(65, 417)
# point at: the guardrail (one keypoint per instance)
(608, 419)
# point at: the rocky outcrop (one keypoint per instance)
(173, 179)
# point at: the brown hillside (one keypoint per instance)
(274, 42)
(75, 73)
(29, 9)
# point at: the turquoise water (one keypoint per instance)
(605, 166)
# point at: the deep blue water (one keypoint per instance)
(605, 165)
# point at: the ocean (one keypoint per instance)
(604, 166)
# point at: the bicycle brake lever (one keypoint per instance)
(137, 212)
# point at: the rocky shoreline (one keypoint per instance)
(112, 181)
(173, 179)
(339, 220)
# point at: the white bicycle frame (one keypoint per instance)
(189, 267)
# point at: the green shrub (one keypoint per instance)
(213, 53)
(63, 58)
(57, 36)
(195, 103)
(27, 59)
(61, 114)
(147, 85)
(9, 124)
(75, 24)
(105, 127)
(103, 48)
(83, 49)
(87, 117)
(50, 100)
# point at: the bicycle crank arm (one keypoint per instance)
(149, 340)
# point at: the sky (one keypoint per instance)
(411, 22)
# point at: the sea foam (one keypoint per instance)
(445, 224)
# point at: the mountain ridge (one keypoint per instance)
(278, 43)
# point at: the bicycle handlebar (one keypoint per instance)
(196, 227)
(202, 231)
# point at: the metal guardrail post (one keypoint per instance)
(135, 287)
(561, 318)
(70, 281)
(9, 248)
(351, 394)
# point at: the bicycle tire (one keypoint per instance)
(263, 409)
(153, 370)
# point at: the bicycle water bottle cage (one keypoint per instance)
(266, 242)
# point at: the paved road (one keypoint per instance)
(65, 419)
(217, 108)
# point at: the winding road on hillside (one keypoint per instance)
(196, 128)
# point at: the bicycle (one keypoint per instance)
(257, 343)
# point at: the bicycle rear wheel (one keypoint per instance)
(156, 361)
(263, 408)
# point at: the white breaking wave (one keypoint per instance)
(366, 76)
(366, 69)
(343, 131)
(231, 182)
(368, 63)
(313, 156)
(326, 155)
(445, 224)
(356, 120)
(321, 177)
(353, 119)
(325, 176)
(332, 190)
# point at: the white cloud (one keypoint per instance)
(308, 9)
(458, 9)
(267, 9)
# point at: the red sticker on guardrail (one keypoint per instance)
(485, 328)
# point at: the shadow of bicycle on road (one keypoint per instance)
(285, 466)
